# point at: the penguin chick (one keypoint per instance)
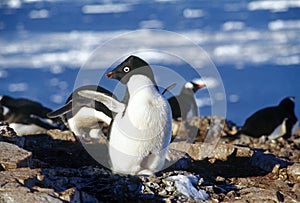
(85, 117)
(141, 130)
(184, 105)
(273, 121)
(26, 116)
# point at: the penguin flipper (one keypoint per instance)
(168, 88)
(61, 111)
(111, 103)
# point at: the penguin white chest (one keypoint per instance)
(191, 111)
(25, 129)
(144, 126)
(147, 111)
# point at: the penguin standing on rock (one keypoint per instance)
(184, 105)
(273, 122)
(85, 117)
(26, 116)
(141, 130)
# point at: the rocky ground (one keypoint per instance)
(55, 167)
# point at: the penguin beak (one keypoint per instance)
(293, 99)
(200, 86)
(109, 74)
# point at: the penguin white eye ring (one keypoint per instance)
(126, 69)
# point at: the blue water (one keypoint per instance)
(256, 49)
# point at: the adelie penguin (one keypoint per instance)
(26, 116)
(85, 117)
(141, 130)
(274, 122)
(184, 105)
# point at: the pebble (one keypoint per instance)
(163, 193)
(170, 188)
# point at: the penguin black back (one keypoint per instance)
(22, 108)
(27, 116)
(264, 121)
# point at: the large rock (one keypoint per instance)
(57, 134)
(203, 128)
(20, 197)
(12, 156)
(18, 185)
(19, 177)
(200, 151)
(256, 194)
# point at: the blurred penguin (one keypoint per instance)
(184, 105)
(26, 116)
(274, 122)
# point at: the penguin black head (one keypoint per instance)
(133, 65)
(288, 103)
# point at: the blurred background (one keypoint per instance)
(255, 45)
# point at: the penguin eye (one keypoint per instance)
(126, 69)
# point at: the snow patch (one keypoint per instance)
(57, 98)
(288, 60)
(14, 4)
(284, 24)
(56, 69)
(151, 24)
(233, 25)
(210, 82)
(185, 186)
(201, 102)
(106, 8)
(234, 98)
(198, 81)
(17, 87)
(227, 50)
(193, 13)
(72, 49)
(3, 74)
(39, 14)
(274, 6)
